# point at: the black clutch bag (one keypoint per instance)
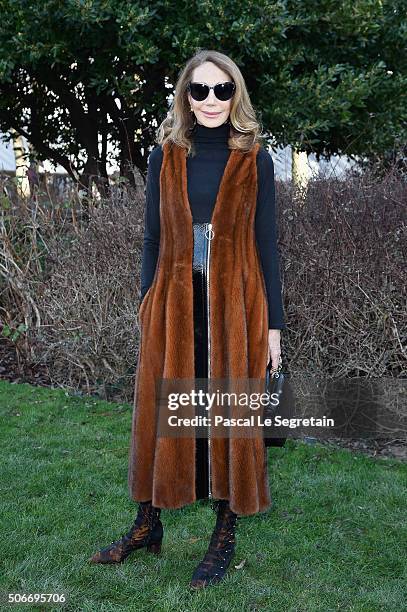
(275, 383)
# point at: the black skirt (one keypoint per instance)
(200, 288)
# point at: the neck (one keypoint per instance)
(203, 133)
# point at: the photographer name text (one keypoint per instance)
(251, 421)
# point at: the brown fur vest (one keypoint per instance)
(163, 469)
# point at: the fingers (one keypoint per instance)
(275, 359)
(274, 349)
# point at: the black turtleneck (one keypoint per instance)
(204, 173)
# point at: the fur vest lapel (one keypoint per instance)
(163, 469)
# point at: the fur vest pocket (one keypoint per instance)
(163, 468)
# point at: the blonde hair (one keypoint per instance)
(245, 128)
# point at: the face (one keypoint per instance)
(210, 74)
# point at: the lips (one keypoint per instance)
(210, 114)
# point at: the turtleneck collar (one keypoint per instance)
(202, 133)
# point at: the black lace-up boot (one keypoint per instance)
(147, 530)
(221, 548)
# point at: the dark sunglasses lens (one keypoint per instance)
(224, 91)
(199, 91)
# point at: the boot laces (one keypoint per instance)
(223, 536)
(146, 514)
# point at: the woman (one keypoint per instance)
(211, 306)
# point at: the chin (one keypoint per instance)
(215, 122)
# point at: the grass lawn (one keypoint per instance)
(334, 538)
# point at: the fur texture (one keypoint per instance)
(163, 469)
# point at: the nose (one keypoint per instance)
(211, 97)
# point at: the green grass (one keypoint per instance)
(334, 538)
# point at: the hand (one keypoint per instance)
(274, 350)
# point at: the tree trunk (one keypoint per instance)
(301, 173)
(21, 159)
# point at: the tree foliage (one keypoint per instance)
(325, 76)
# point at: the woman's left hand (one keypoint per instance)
(274, 349)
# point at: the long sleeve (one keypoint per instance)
(266, 237)
(151, 241)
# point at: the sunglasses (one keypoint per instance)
(200, 91)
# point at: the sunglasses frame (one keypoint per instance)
(209, 89)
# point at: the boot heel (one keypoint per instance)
(154, 547)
